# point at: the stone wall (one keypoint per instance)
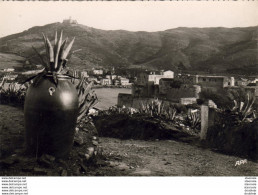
(186, 101)
(175, 94)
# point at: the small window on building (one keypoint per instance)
(204, 79)
(228, 83)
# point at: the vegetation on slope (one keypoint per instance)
(209, 49)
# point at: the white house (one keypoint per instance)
(105, 81)
(168, 74)
(97, 72)
(8, 69)
(124, 81)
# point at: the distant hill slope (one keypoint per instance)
(209, 49)
(11, 61)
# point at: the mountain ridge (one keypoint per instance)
(213, 49)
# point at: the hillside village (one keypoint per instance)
(181, 88)
(100, 77)
(165, 85)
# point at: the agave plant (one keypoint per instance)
(57, 56)
(244, 109)
(87, 98)
(12, 93)
(193, 119)
(170, 113)
(2, 83)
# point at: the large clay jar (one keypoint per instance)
(50, 117)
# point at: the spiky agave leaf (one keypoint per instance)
(51, 51)
(41, 58)
(58, 46)
(47, 50)
(62, 47)
(55, 39)
(61, 63)
(67, 50)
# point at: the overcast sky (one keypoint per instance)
(134, 16)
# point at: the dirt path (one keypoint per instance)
(130, 157)
(171, 158)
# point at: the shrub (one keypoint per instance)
(12, 93)
(219, 98)
(238, 139)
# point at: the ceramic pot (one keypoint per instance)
(50, 117)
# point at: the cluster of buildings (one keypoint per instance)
(8, 74)
(182, 88)
(70, 21)
(105, 78)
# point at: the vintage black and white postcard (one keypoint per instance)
(128, 88)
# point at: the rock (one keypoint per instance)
(78, 140)
(87, 156)
(85, 129)
(90, 151)
(50, 158)
(64, 172)
(123, 167)
(180, 118)
(167, 163)
(76, 130)
(101, 163)
(94, 138)
(113, 164)
(95, 143)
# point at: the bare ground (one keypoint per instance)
(172, 158)
(123, 157)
